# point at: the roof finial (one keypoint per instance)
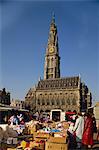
(53, 17)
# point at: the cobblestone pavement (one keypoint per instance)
(95, 146)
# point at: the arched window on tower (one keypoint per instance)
(48, 62)
(51, 37)
(52, 61)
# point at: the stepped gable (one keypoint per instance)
(59, 83)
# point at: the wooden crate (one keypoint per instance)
(57, 140)
(56, 146)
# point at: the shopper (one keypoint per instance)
(14, 119)
(94, 124)
(71, 136)
(78, 129)
(87, 139)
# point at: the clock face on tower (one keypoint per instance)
(51, 50)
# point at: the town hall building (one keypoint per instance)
(66, 93)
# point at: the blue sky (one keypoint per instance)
(24, 34)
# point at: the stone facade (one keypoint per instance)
(17, 104)
(96, 113)
(4, 97)
(55, 92)
(64, 93)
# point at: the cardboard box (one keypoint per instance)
(56, 146)
(37, 145)
(57, 140)
(40, 139)
(57, 135)
(43, 135)
(60, 134)
(41, 146)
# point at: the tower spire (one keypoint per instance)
(52, 58)
(53, 17)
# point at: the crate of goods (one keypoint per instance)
(56, 143)
(37, 145)
(57, 139)
(56, 146)
(43, 135)
(60, 134)
(40, 139)
(41, 145)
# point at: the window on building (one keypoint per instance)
(48, 63)
(38, 102)
(63, 102)
(68, 101)
(74, 102)
(43, 103)
(52, 102)
(52, 62)
(58, 102)
(48, 102)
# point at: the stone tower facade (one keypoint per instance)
(66, 93)
(52, 59)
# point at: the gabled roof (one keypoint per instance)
(59, 83)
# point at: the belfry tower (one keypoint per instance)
(55, 92)
(52, 59)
